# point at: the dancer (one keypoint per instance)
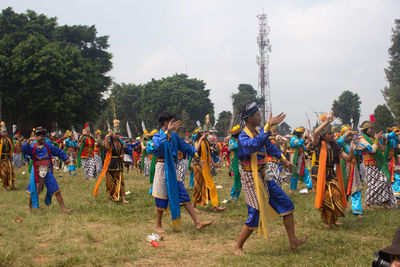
(86, 154)
(234, 163)
(70, 147)
(204, 185)
(42, 171)
(298, 145)
(113, 166)
(17, 160)
(330, 195)
(392, 160)
(166, 187)
(379, 192)
(261, 191)
(98, 153)
(7, 174)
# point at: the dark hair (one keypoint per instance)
(236, 135)
(166, 116)
(298, 134)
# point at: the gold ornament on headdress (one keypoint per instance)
(236, 129)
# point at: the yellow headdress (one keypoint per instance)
(153, 132)
(300, 129)
(344, 129)
(97, 133)
(116, 126)
(236, 129)
(366, 125)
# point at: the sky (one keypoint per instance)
(319, 47)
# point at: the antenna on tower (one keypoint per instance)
(264, 47)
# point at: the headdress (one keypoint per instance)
(97, 133)
(153, 132)
(116, 126)
(236, 129)
(3, 127)
(300, 129)
(368, 124)
(394, 249)
(250, 109)
(345, 128)
(67, 133)
(40, 131)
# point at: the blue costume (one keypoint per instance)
(392, 161)
(300, 168)
(233, 150)
(278, 199)
(69, 147)
(353, 186)
(166, 186)
(42, 155)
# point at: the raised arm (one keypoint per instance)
(316, 134)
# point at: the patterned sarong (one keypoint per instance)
(88, 165)
(7, 174)
(146, 166)
(115, 186)
(98, 164)
(274, 169)
(200, 196)
(379, 189)
(332, 206)
(17, 160)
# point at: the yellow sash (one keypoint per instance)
(206, 158)
(1, 146)
(266, 211)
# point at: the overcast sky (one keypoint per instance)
(319, 48)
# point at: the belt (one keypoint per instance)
(248, 168)
(160, 159)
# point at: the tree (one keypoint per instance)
(223, 123)
(186, 97)
(383, 117)
(246, 94)
(50, 75)
(391, 93)
(347, 108)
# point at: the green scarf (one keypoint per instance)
(153, 168)
(78, 160)
(295, 157)
(236, 173)
(380, 159)
(344, 174)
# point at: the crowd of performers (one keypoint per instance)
(333, 164)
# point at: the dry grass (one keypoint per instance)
(102, 233)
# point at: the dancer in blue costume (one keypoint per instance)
(391, 156)
(351, 171)
(233, 150)
(298, 146)
(42, 171)
(259, 189)
(70, 147)
(166, 186)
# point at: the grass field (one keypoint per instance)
(103, 233)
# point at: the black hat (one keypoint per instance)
(40, 131)
(394, 249)
(250, 109)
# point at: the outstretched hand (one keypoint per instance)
(330, 118)
(276, 120)
(173, 126)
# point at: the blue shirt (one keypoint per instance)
(175, 143)
(233, 145)
(248, 146)
(41, 152)
(150, 147)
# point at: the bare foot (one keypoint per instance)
(298, 242)
(160, 231)
(217, 208)
(201, 225)
(125, 201)
(337, 223)
(238, 251)
(67, 210)
(360, 216)
(326, 225)
(387, 206)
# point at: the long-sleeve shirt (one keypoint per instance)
(42, 153)
(175, 143)
(260, 143)
(150, 147)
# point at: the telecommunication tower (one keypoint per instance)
(264, 47)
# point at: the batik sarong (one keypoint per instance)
(17, 160)
(200, 196)
(7, 174)
(98, 164)
(146, 166)
(276, 174)
(115, 186)
(181, 168)
(88, 166)
(332, 206)
(379, 189)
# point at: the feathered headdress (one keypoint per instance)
(3, 127)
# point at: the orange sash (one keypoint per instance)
(107, 161)
(321, 180)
